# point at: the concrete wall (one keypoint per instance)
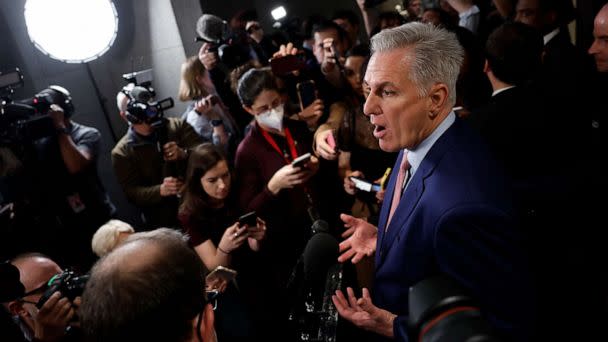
(148, 37)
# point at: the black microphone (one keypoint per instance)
(211, 28)
(319, 226)
(320, 253)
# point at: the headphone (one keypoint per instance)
(60, 96)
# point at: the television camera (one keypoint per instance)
(25, 121)
(141, 107)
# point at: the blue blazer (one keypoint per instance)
(455, 218)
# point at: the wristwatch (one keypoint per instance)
(216, 122)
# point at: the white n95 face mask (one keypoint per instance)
(272, 118)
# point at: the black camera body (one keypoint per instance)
(141, 107)
(440, 310)
(54, 94)
(68, 283)
(25, 121)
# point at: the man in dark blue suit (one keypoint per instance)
(447, 211)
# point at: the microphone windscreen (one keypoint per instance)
(320, 226)
(211, 28)
(320, 253)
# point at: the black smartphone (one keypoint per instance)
(301, 160)
(250, 219)
(337, 57)
(286, 64)
(307, 93)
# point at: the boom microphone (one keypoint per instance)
(211, 28)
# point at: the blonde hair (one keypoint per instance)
(106, 237)
(189, 88)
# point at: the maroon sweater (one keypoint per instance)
(286, 213)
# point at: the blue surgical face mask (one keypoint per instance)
(272, 118)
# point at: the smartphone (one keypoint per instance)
(364, 185)
(307, 93)
(337, 57)
(223, 273)
(250, 219)
(214, 99)
(301, 160)
(332, 141)
(287, 64)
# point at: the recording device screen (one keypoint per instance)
(364, 185)
(287, 64)
(250, 219)
(301, 160)
(307, 93)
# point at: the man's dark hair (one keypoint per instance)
(327, 25)
(514, 52)
(347, 15)
(564, 9)
(148, 289)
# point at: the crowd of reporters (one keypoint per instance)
(232, 152)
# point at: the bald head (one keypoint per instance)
(35, 270)
(156, 278)
(599, 48)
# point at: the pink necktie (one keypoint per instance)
(403, 169)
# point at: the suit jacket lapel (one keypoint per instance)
(412, 193)
(408, 202)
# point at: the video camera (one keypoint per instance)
(26, 121)
(141, 107)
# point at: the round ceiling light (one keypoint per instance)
(72, 31)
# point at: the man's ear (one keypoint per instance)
(16, 308)
(486, 67)
(438, 97)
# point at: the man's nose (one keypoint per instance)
(593, 49)
(370, 107)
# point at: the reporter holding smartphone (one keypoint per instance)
(209, 216)
(279, 192)
(206, 113)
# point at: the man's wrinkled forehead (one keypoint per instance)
(380, 72)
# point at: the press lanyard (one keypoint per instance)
(292, 149)
(290, 142)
